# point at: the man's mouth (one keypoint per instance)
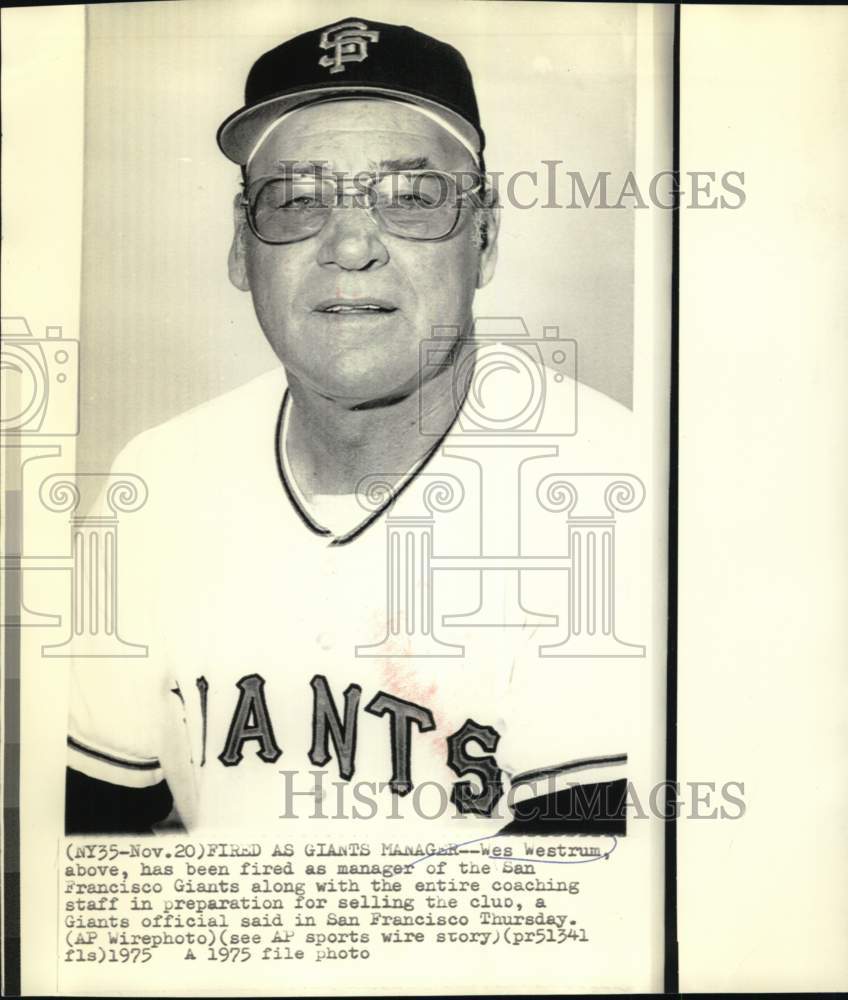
(352, 307)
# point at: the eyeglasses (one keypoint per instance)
(412, 204)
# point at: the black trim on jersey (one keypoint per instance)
(572, 765)
(357, 531)
(99, 807)
(598, 809)
(151, 765)
(278, 458)
(351, 535)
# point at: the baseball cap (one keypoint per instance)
(355, 58)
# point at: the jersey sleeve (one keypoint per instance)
(112, 727)
(116, 701)
(564, 725)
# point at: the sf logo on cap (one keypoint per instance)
(349, 42)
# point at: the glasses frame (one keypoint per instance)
(253, 189)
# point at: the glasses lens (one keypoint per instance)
(286, 209)
(417, 206)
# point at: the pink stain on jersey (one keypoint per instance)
(404, 682)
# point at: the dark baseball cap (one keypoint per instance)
(355, 58)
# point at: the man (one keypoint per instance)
(289, 657)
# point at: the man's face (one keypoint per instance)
(368, 355)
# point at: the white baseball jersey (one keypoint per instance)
(357, 638)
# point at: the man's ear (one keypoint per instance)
(237, 259)
(488, 223)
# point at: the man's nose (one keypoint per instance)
(352, 241)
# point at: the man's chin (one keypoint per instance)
(355, 395)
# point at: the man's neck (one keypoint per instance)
(330, 446)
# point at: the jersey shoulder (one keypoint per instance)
(589, 423)
(212, 437)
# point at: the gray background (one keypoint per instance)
(163, 330)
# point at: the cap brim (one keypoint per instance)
(239, 133)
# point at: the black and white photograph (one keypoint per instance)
(342, 479)
(408, 524)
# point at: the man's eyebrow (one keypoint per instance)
(406, 163)
(323, 166)
(303, 166)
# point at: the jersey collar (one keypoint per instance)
(296, 497)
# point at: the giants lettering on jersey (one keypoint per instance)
(251, 724)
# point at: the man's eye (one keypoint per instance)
(300, 203)
(413, 199)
